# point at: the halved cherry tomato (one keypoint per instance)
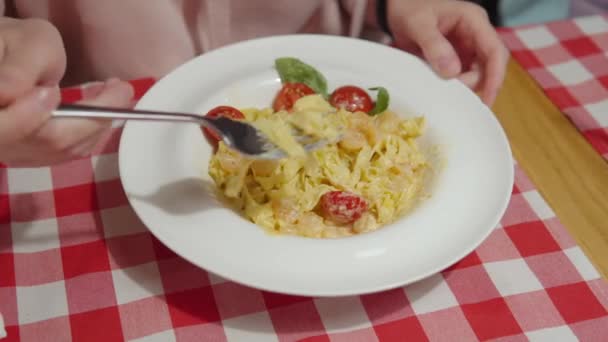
(352, 99)
(289, 94)
(227, 111)
(342, 207)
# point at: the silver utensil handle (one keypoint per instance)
(82, 111)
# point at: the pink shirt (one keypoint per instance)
(139, 38)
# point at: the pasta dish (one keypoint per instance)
(369, 174)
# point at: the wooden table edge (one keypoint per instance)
(569, 174)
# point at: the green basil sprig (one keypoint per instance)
(293, 70)
(382, 101)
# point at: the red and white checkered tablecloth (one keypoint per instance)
(569, 60)
(76, 264)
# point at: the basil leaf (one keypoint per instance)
(292, 70)
(381, 102)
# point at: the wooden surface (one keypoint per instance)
(568, 172)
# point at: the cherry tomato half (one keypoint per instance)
(352, 99)
(289, 94)
(226, 111)
(342, 207)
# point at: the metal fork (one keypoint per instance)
(238, 135)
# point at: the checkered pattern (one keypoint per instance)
(569, 60)
(77, 264)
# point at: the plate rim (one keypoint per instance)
(504, 202)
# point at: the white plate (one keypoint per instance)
(163, 168)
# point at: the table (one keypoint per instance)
(77, 264)
(557, 162)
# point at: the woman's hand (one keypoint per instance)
(32, 62)
(455, 37)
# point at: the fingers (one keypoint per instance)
(470, 79)
(92, 90)
(490, 51)
(114, 93)
(33, 54)
(423, 30)
(85, 148)
(494, 73)
(27, 114)
(30, 138)
(453, 36)
(73, 138)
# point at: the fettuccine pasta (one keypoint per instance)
(369, 177)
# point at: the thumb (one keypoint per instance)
(436, 49)
(32, 57)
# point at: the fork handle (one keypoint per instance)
(83, 111)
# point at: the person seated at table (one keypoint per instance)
(50, 43)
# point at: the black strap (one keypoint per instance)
(493, 9)
(381, 17)
(491, 6)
